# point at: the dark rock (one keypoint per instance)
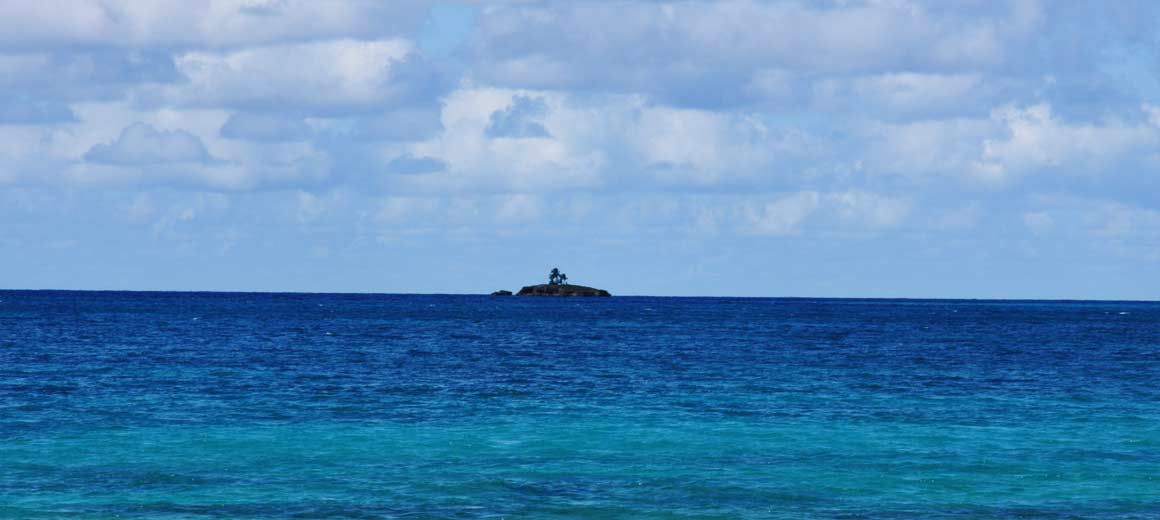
(561, 290)
(501, 292)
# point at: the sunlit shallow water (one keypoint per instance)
(172, 405)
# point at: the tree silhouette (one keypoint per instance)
(554, 276)
(563, 279)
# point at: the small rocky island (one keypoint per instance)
(545, 289)
(557, 286)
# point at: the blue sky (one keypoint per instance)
(879, 148)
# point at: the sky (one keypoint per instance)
(831, 148)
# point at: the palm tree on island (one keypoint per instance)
(557, 278)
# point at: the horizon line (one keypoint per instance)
(351, 293)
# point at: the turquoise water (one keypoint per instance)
(185, 405)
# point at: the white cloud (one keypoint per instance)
(153, 147)
(706, 53)
(281, 109)
(947, 147)
(1094, 217)
(519, 120)
(609, 141)
(869, 210)
(1118, 220)
(782, 216)
(519, 208)
(141, 144)
(786, 214)
(328, 75)
(478, 161)
(213, 23)
(1012, 143)
(698, 146)
(1036, 141)
(914, 93)
(849, 210)
(773, 85)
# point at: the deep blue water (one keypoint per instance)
(196, 405)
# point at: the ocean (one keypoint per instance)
(254, 406)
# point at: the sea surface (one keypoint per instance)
(255, 406)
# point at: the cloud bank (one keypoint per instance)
(853, 124)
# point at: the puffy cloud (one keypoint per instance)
(608, 112)
(1013, 143)
(850, 210)
(330, 76)
(619, 141)
(179, 148)
(1035, 140)
(702, 147)
(711, 53)
(736, 120)
(142, 144)
(923, 149)
(478, 161)
(519, 120)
